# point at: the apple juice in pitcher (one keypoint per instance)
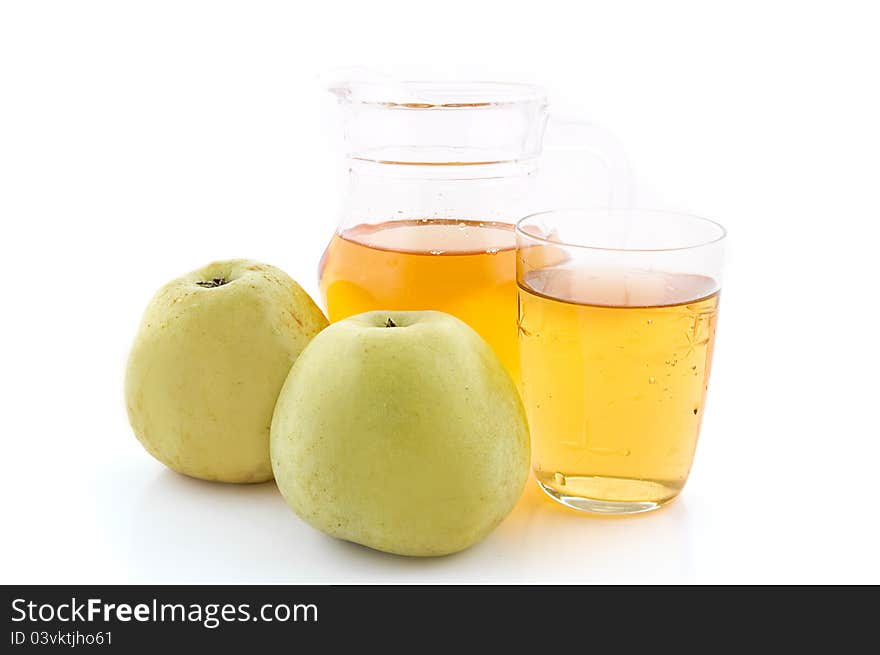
(437, 176)
(457, 266)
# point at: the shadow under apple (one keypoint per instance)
(184, 530)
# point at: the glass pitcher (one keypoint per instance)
(438, 174)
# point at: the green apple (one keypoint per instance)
(400, 431)
(213, 350)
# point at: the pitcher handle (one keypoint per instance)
(574, 135)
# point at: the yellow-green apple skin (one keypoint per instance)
(213, 350)
(408, 439)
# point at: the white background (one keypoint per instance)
(139, 140)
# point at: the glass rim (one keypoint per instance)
(518, 228)
(439, 94)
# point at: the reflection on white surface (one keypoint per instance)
(186, 530)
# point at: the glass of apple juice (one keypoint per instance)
(616, 326)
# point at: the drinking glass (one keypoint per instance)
(616, 319)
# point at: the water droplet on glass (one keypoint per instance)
(559, 479)
(650, 322)
(652, 380)
(462, 226)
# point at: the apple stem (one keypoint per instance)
(390, 323)
(215, 282)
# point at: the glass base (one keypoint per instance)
(584, 503)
